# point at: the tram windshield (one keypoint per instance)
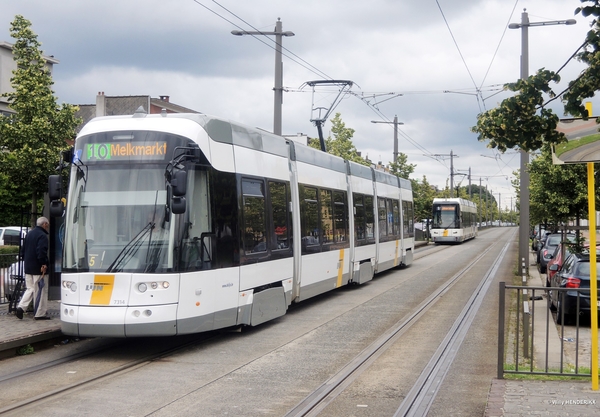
(445, 216)
(116, 214)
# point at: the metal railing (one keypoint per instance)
(529, 341)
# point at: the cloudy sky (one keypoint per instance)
(435, 64)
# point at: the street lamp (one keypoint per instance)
(524, 174)
(279, 34)
(395, 123)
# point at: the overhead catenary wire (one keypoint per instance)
(271, 45)
(372, 100)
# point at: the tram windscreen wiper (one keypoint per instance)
(450, 225)
(130, 249)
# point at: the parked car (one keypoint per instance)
(539, 243)
(552, 241)
(575, 275)
(9, 235)
(561, 253)
(536, 235)
(8, 278)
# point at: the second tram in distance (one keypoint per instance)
(454, 220)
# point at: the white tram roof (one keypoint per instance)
(233, 133)
(460, 201)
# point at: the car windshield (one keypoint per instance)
(554, 240)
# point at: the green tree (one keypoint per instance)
(401, 168)
(423, 195)
(558, 193)
(32, 138)
(521, 120)
(341, 143)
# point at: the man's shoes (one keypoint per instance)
(19, 313)
(43, 318)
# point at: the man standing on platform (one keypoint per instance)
(35, 257)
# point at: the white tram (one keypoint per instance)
(187, 223)
(454, 220)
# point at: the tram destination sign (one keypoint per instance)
(127, 151)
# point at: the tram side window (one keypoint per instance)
(309, 219)
(411, 219)
(408, 223)
(340, 216)
(254, 239)
(396, 217)
(279, 198)
(359, 216)
(382, 217)
(369, 218)
(327, 216)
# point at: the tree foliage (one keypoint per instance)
(521, 121)
(423, 195)
(558, 193)
(341, 143)
(588, 82)
(34, 135)
(401, 168)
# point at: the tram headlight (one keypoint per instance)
(70, 285)
(155, 285)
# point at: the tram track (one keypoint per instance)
(82, 383)
(322, 396)
(423, 392)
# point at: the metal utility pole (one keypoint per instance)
(451, 174)
(480, 201)
(395, 123)
(278, 89)
(452, 156)
(470, 192)
(524, 174)
(468, 177)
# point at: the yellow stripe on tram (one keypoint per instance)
(102, 290)
(340, 268)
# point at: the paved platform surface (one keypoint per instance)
(506, 398)
(15, 333)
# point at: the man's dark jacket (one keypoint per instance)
(35, 250)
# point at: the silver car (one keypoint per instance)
(9, 279)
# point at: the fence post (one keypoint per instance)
(526, 315)
(502, 299)
(525, 310)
